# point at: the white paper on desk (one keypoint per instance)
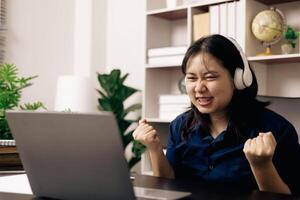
(15, 184)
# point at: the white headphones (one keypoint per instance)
(242, 78)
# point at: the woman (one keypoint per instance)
(227, 137)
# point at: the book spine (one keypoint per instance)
(223, 19)
(240, 23)
(7, 143)
(231, 20)
(201, 25)
(214, 19)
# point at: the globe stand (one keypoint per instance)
(268, 52)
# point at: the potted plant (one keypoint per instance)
(11, 86)
(113, 94)
(291, 36)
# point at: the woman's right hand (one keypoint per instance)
(147, 135)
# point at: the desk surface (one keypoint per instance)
(198, 192)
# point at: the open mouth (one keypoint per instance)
(204, 101)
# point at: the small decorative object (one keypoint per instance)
(113, 94)
(286, 48)
(291, 36)
(181, 85)
(268, 27)
(70, 87)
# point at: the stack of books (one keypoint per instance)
(166, 55)
(170, 106)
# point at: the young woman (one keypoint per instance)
(227, 137)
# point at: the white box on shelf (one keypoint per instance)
(170, 106)
(174, 98)
(165, 59)
(170, 115)
(173, 107)
(167, 51)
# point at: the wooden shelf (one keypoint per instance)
(275, 58)
(270, 2)
(170, 13)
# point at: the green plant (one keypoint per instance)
(291, 36)
(11, 86)
(113, 93)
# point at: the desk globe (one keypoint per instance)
(268, 27)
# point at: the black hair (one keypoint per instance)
(243, 106)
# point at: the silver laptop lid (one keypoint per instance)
(71, 155)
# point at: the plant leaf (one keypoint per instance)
(132, 108)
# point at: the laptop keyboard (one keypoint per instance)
(151, 193)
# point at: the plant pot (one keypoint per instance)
(9, 158)
(286, 48)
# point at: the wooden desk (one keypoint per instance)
(198, 192)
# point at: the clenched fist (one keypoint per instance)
(260, 150)
(147, 135)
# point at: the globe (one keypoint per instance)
(268, 27)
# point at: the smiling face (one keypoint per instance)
(208, 84)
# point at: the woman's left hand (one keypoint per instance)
(260, 150)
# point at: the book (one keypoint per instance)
(201, 25)
(240, 21)
(9, 158)
(7, 143)
(176, 59)
(231, 19)
(167, 51)
(223, 19)
(214, 19)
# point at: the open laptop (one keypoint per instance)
(75, 156)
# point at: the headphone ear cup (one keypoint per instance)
(247, 78)
(238, 79)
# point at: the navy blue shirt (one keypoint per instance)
(221, 160)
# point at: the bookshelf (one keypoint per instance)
(278, 75)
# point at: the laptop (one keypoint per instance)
(76, 156)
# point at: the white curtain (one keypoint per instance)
(3, 29)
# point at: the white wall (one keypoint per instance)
(40, 41)
(125, 38)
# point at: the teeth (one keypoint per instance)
(204, 100)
